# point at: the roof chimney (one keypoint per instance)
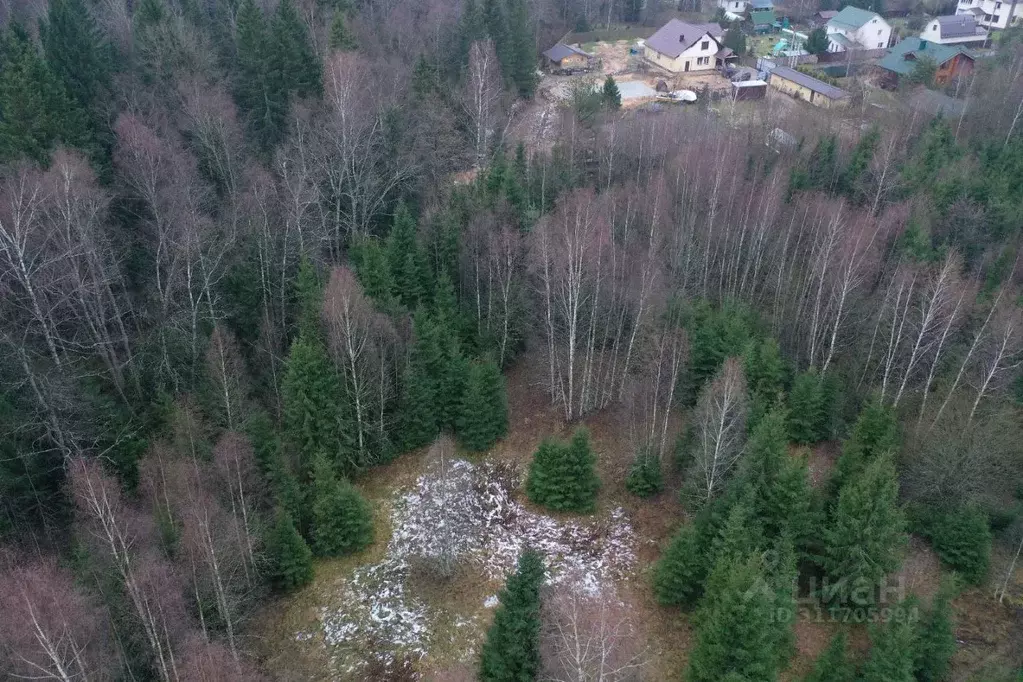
(682, 38)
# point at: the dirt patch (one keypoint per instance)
(822, 461)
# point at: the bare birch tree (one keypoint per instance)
(481, 97)
(719, 429)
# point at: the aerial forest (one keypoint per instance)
(310, 302)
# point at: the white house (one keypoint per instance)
(857, 29)
(735, 7)
(679, 47)
(960, 29)
(992, 13)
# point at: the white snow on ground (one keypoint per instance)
(470, 510)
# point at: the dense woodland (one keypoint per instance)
(251, 251)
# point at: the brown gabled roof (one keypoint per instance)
(675, 37)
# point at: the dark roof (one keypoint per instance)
(957, 26)
(820, 87)
(852, 17)
(675, 37)
(560, 51)
(827, 14)
(762, 17)
(902, 58)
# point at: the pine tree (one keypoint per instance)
(374, 271)
(806, 409)
(681, 570)
(874, 433)
(36, 111)
(420, 412)
(511, 652)
(962, 539)
(833, 665)
(403, 257)
(864, 536)
(483, 417)
(736, 631)
(309, 293)
(764, 368)
(311, 392)
(342, 521)
(936, 641)
(892, 647)
(645, 477)
(612, 97)
(293, 56)
(80, 56)
(289, 562)
(521, 65)
(562, 477)
(259, 89)
(340, 37)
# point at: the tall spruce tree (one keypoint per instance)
(645, 477)
(341, 37)
(806, 409)
(311, 393)
(289, 561)
(892, 649)
(521, 49)
(865, 533)
(293, 57)
(403, 259)
(342, 521)
(511, 652)
(259, 88)
(420, 414)
(36, 111)
(562, 477)
(483, 417)
(936, 640)
(736, 627)
(874, 433)
(833, 664)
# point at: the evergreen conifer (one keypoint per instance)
(289, 560)
(342, 521)
(645, 477)
(562, 477)
(483, 414)
(833, 665)
(936, 641)
(892, 649)
(511, 652)
(612, 96)
(293, 56)
(311, 393)
(806, 409)
(340, 37)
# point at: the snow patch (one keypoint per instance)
(466, 513)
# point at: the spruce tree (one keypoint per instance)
(420, 413)
(892, 650)
(309, 293)
(833, 664)
(936, 641)
(521, 50)
(259, 88)
(340, 37)
(765, 369)
(736, 627)
(289, 562)
(679, 573)
(342, 521)
(562, 477)
(806, 409)
(403, 258)
(374, 271)
(36, 111)
(865, 533)
(962, 539)
(874, 433)
(311, 393)
(483, 414)
(612, 97)
(645, 477)
(511, 652)
(292, 53)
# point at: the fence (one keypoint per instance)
(630, 33)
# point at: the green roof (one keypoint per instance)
(762, 17)
(853, 17)
(903, 57)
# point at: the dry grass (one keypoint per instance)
(990, 636)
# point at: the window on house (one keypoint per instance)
(705, 44)
(995, 18)
(702, 61)
(880, 45)
(878, 31)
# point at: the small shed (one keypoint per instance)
(749, 90)
(762, 20)
(563, 57)
(805, 87)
